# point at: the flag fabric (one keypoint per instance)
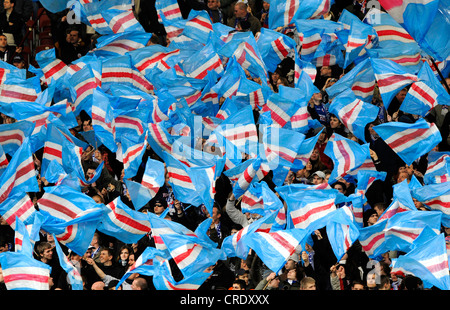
(361, 80)
(20, 175)
(147, 264)
(18, 206)
(344, 231)
(404, 227)
(428, 261)
(372, 239)
(391, 78)
(402, 201)
(207, 60)
(409, 141)
(169, 9)
(274, 47)
(3, 160)
(281, 13)
(365, 179)
(432, 23)
(163, 279)
(353, 113)
(346, 155)
(130, 152)
(153, 178)
(243, 175)
(274, 248)
(103, 120)
(120, 43)
(437, 171)
(191, 254)
(436, 198)
(198, 26)
(73, 274)
(22, 272)
(181, 182)
(52, 67)
(124, 223)
(22, 241)
(236, 246)
(424, 94)
(13, 135)
(82, 85)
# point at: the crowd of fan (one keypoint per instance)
(107, 258)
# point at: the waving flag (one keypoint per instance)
(404, 227)
(424, 20)
(372, 239)
(409, 141)
(260, 199)
(402, 201)
(73, 275)
(103, 120)
(310, 41)
(361, 80)
(130, 152)
(437, 171)
(354, 113)
(133, 122)
(191, 254)
(360, 37)
(82, 85)
(239, 129)
(236, 246)
(198, 26)
(428, 261)
(274, 47)
(22, 272)
(346, 155)
(436, 197)
(343, 230)
(243, 175)
(424, 94)
(163, 279)
(18, 206)
(153, 177)
(281, 109)
(124, 223)
(274, 248)
(160, 226)
(52, 67)
(20, 175)
(207, 60)
(13, 135)
(181, 182)
(148, 264)
(365, 179)
(310, 210)
(121, 43)
(3, 160)
(152, 56)
(391, 78)
(281, 13)
(22, 241)
(169, 9)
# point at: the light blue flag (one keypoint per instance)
(391, 78)
(120, 43)
(353, 113)
(274, 248)
(372, 239)
(425, 94)
(163, 279)
(146, 264)
(198, 26)
(344, 231)
(274, 47)
(73, 275)
(428, 261)
(409, 141)
(103, 120)
(361, 80)
(13, 135)
(20, 176)
(22, 272)
(435, 197)
(122, 222)
(190, 253)
(346, 154)
(404, 227)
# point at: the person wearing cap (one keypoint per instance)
(18, 62)
(318, 177)
(370, 217)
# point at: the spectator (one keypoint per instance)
(72, 47)
(243, 20)
(7, 51)
(308, 284)
(215, 12)
(11, 23)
